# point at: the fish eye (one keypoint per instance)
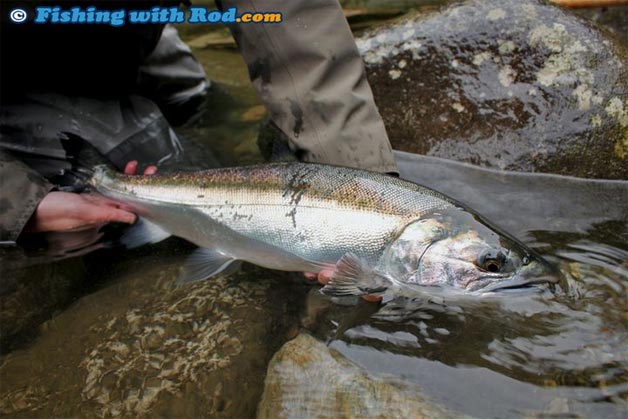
(492, 265)
(492, 260)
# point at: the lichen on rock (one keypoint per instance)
(535, 80)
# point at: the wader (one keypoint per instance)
(306, 70)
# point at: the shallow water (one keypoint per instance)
(133, 344)
(101, 335)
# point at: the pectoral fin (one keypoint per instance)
(353, 276)
(205, 263)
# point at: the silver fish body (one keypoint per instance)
(369, 227)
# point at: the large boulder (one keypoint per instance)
(518, 85)
(306, 379)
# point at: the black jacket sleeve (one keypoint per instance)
(21, 190)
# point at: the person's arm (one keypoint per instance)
(28, 203)
(21, 191)
(311, 78)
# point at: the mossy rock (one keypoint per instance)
(516, 85)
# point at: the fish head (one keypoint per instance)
(459, 250)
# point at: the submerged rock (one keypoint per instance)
(143, 347)
(517, 85)
(305, 379)
(29, 296)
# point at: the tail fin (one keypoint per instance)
(89, 166)
(83, 157)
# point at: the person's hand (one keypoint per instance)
(324, 276)
(131, 169)
(66, 211)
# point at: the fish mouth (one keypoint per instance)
(519, 283)
(531, 275)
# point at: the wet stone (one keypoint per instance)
(516, 85)
(342, 388)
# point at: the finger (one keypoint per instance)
(150, 170)
(103, 201)
(372, 298)
(310, 275)
(325, 275)
(131, 167)
(111, 215)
